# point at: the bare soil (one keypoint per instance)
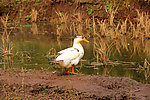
(49, 10)
(17, 84)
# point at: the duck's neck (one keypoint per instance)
(78, 46)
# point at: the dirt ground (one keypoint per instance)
(50, 10)
(17, 84)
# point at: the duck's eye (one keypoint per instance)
(75, 37)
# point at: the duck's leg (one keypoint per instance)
(66, 71)
(73, 70)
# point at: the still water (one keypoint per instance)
(34, 45)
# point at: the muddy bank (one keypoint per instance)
(52, 10)
(49, 85)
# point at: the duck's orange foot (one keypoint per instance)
(73, 73)
(67, 72)
(70, 73)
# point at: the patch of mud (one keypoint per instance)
(47, 9)
(48, 85)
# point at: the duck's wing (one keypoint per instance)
(66, 50)
(68, 54)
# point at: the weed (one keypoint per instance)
(37, 1)
(103, 50)
(7, 43)
(17, 1)
(1, 84)
(90, 10)
(14, 71)
(34, 14)
(28, 17)
(60, 14)
(108, 7)
(145, 68)
(131, 82)
(63, 17)
(131, 88)
(51, 55)
(70, 3)
(20, 14)
(34, 28)
(44, 19)
(22, 81)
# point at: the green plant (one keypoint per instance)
(63, 17)
(37, 1)
(145, 68)
(13, 71)
(28, 17)
(20, 13)
(90, 10)
(70, 4)
(108, 7)
(44, 19)
(131, 82)
(1, 84)
(60, 14)
(60, 26)
(17, 1)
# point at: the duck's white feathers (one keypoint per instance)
(66, 50)
(68, 57)
(71, 56)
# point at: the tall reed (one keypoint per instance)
(142, 26)
(103, 49)
(7, 44)
(145, 68)
(34, 14)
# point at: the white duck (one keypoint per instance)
(71, 56)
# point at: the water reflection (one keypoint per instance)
(147, 47)
(34, 28)
(35, 46)
(6, 45)
(146, 69)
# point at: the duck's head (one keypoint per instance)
(78, 39)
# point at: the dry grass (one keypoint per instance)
(7, 44)
(147, 47)
(51, 55)
(142, 26)
(63, 17)
(139, 27)
(103, 49)
(34, 29)
(136, 29)
(78, 25)
(145, 68)
(34, 14)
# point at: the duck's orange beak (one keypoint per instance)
(85, 40)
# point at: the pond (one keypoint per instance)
(33, 46)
